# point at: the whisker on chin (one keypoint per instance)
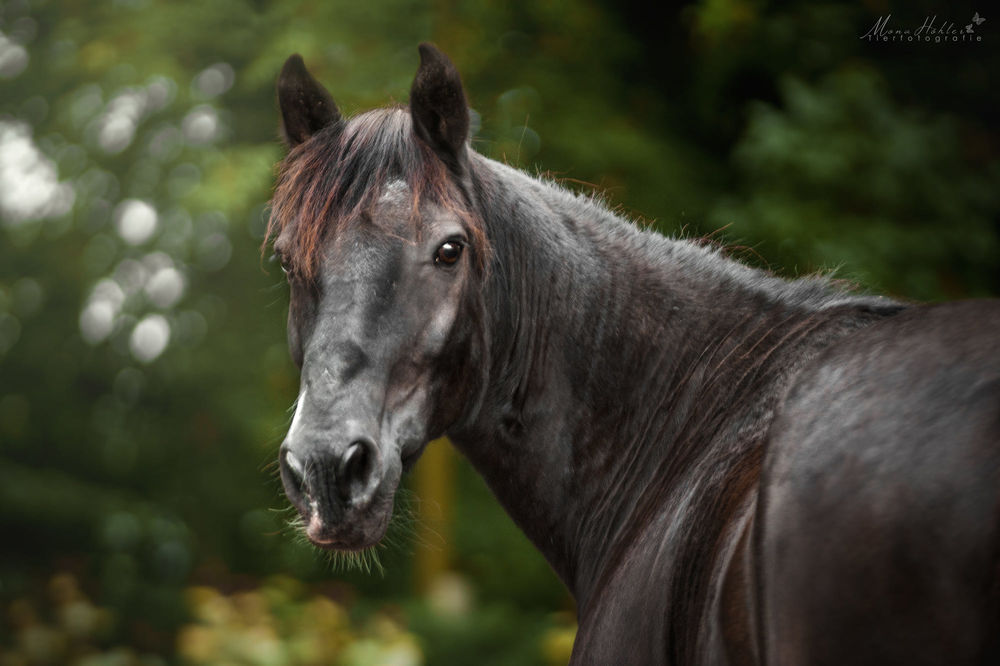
(366, 561)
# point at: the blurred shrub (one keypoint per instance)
(280, 624)
(65, 628)
(456, 628)
(838, 175)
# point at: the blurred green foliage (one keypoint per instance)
(144, 378)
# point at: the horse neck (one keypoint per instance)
(620, 362)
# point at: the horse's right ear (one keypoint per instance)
(306, 106)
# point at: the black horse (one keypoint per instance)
(724, 467)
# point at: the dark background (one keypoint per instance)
(144, 379)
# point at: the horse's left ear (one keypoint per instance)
(306, 106)
(438, 107)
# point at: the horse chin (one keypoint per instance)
(354, 533)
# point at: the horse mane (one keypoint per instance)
(333, 180)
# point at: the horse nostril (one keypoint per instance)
(355, 469)
(292, 476)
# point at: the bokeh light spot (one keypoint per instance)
(159, 93)
(13, 58)
(29, 185)
(214, 80)
(149, 338)
(121, 118)
(135, 220)
(201, 125)
(165, 287)
(131, 275)
(97, 321)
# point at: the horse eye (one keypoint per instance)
(448, 253)
(286, 268)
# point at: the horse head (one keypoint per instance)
(372, 222)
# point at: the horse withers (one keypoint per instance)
(723, 466)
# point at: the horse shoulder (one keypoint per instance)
(878, 531)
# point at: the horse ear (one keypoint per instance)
(438, 107)
(306, 106)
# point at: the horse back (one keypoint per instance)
(878, 522)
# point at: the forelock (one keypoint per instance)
(335, 179)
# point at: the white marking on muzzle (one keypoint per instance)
(295, 424)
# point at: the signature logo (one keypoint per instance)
(977, 19)
(932, 30)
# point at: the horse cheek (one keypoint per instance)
(459, 376)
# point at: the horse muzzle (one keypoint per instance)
(344, 494)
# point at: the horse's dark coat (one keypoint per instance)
(722, 466)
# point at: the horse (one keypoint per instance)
(723, 466)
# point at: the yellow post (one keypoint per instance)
(433, 474)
